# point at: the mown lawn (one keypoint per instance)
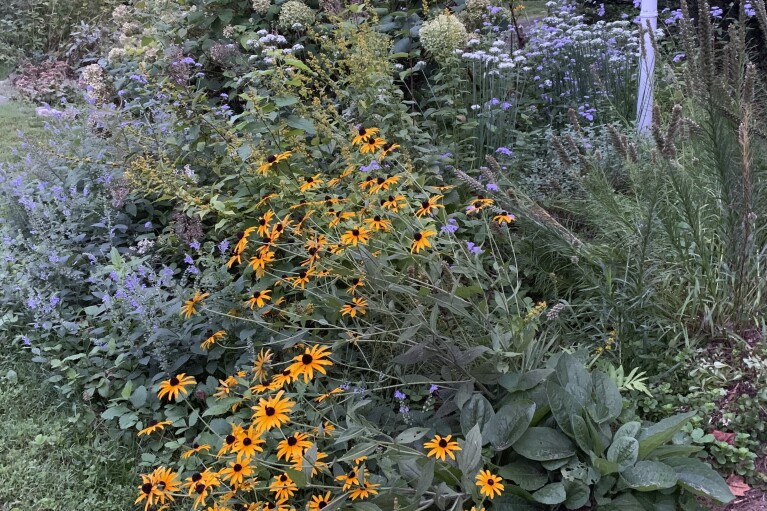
(48, 460)
(16, 116)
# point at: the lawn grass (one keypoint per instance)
(534, 9)
(17, 116)
(49, 461)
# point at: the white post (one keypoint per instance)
(649, 12)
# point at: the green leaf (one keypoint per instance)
(297, 476)
(574, 378)
(542, 444)
(629, 429)
(624, 451)
(127, 389)
(426, 478)
(508, 424)
(551, 494)
(411, 435)
(285, 100)
(700, 479)
(114, 412)
(525, 473)
(220, 407)
(581, 433)
(603, 466)
(476, 411)
(302, 124)
(650, 476)
(470, 455)
(577, 494)
(607, 403)
(563, 406)
(661, 432)
(138, 398)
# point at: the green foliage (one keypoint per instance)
(53, 458)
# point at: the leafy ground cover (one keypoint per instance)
(51, 460)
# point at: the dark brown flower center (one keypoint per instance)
(196, 477)
(146, 488)
(362, 132)
(380, 180)
(309, 179)
(286, 372)
(321, 504)
(302, 274)
(200, 488)
(271, 159)
(174, 381)
(490, 482)
(237, 467)
(418, 236)
(377, 218)
(283, 478)
(269, 411)
(230, 439)
(153, 422)
(371, 140)
(262, 221)
(425, 204)
(246, 441)
(355, 232)
(292, 441)
(307, 359)
(443, 443)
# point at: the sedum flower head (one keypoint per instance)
(442, 36)
(295, 15)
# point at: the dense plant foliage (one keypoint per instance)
(306, 253)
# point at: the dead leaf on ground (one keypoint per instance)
(721, 436)
(737, 485)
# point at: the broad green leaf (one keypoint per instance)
(220, 407)
(629, 429)
(700, 479)
(650, 476)
(603, 466)
(411, 435)
(624, 451)
(508, 424)
(551, 494)
(563, 406)
(673, 451)
(300, 65)
(476, 411)
(138, 398)
(607, 402)
(525, 473)
(661, 432)
(542, 444)
(470, 456)
(426, 478)
(577, 494)
(581, 433)
(574, 378)
(127, 390)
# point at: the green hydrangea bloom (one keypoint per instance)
(442, 36)
(295, 14)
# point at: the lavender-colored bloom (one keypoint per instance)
(188, 259)
(678, 57)
(54, 300)
(26, 341)
(750, 12)
(373, 166)
(450, 227)
(601, 11)
(148, 225)
(138, 78)
(195, 245)
(193, 270)
(433, 389)
(404, 409)
(504, 151)
(399, 395)
(492, 187)
(223, 246)
(716, 12)
(473, 248)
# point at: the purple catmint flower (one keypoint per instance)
(223, 246)
(433, 389)
(404, 409)
(601, 11)
(504, 151)
(678, 57)
(492, 187)
(716, 12)
(372, 166)
(195, 245)
(473, 248)
(188, 259)
(450, 227)
(399, 395)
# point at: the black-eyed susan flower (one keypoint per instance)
(273, 159)
(360, 460)
(429, 206)
(441, 446)
(248, 444)
(323, 397)
(368, 182)
(378, 223)
(356, 283)
(266, 198)
(175, 386)
(363, 134)
(196, 448)
(313, 359)
(504, 218)
(264, 223)
(372, 144)
(489, 484)
(153, 426)
(310, 183)
(259, 298)
(383, 184)
(236, 472)
(190, 306)
(201, 484)
(225, 386)
(314, 256)
(320, 502)
(292, 447)
(262, 361)
(339, 216)
(388, 149)
(242, 241)
(261, 259)
(302, 279)
(421, 240)
(283, 487)
(479, 204)
(213, 339)
(272, 412)
(356, 306)
(356, 235)
(364, 491)
(158, 487)
(236, 258)
(350, 479)
(231, 439)
(394, 203)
